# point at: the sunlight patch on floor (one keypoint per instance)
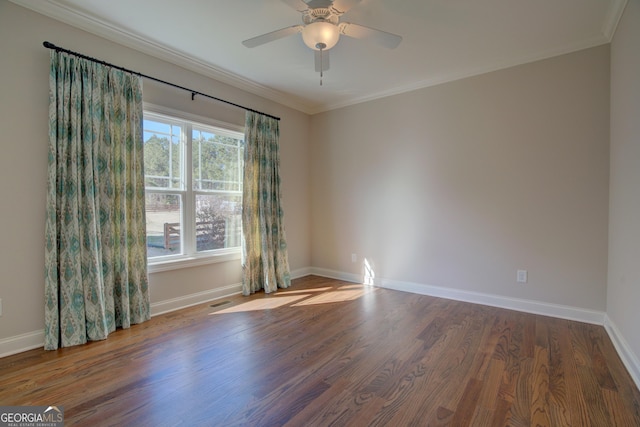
(263, 304)
(336, 296)
(306, 291)
(301, 298)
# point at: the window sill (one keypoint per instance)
(193, 261)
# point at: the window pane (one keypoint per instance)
(210, 159)
(163, 224)
(217, 161)
(218, 221)
(162, 155)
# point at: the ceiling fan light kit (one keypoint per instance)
(322, 29)
(320, 35)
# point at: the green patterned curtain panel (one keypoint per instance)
(264, 252)
(95, 250)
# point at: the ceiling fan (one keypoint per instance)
(322, 29)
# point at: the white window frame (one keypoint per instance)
(190, 256)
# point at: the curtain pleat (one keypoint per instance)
(95, 243)
(265, 263)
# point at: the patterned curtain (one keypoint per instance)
(264, 252)
(95, 243)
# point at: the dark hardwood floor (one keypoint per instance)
(325, 352)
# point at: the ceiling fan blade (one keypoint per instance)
(274, 35)
(322, 60)
(298, 5)
(379, 37)
(343, 6)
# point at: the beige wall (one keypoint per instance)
(461, 184)
(623, 291)
(23, 134)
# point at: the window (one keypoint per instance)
(193, 182)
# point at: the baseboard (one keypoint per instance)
(20, 343)
(527, 306)
(210, 295)
(627, 355)
(301, 272)
(518, 304)
(190, 300)
(338, 275)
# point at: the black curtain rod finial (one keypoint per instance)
(50, 45)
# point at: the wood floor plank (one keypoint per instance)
(540, 388)
(580, 345)
(303, 417)
(596, 407)
(467, 405)
(327, 352)
(559, 407)
(509, 351)
(488, 343)
(619, 415)
(492, 379)
(520, 411)
(501, 414)
(571, 358)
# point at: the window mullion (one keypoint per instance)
(240, 164)
(189, 207)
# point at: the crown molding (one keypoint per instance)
(613, 18)
(134, 41)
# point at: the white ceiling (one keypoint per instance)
(443, 40)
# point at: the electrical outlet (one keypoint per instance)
(521, 276)
(354, 258)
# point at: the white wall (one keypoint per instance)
(623, 290)
(459, 185)
(24, 71)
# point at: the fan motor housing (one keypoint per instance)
(320, 14)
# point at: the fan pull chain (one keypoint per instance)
(321, 67)
(321, 47)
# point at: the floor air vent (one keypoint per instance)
(218, 304)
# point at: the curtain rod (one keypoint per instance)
(50, 45)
